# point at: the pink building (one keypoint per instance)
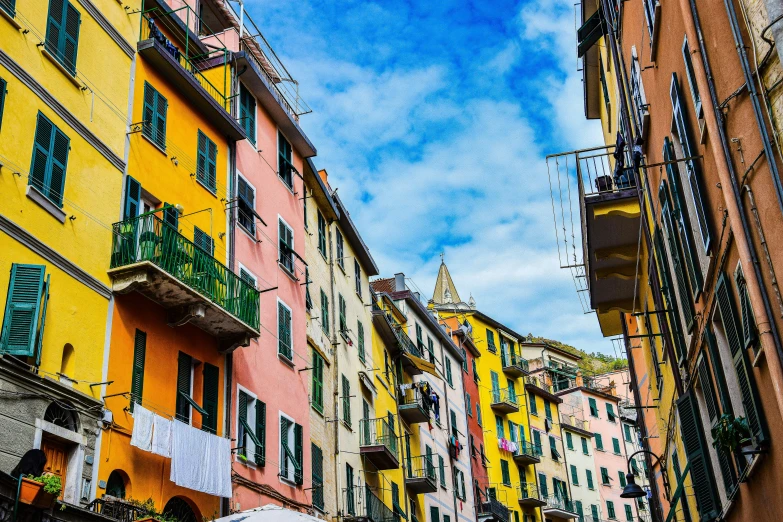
(269, 387)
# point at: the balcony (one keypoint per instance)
(514, 365)
(202, 73)
(379, 443)
(421, 477)
(362, 505)
(527, 453)
(118, 509)
(413, 407)
(504, 401)
(399, 344)
(576, 423)
(152, 258)
(559, 507)
(494, 510)
(529, 496)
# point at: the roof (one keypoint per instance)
(320, 192)
(383, 286)
(585, 389)
(497, 324)
(555, 349)
(445, 292)
(580, 431)
(355, 239)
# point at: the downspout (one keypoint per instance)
(335, 373)
(756, 290)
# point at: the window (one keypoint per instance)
(203, 241)
(346, 401)
(478, 413)
(637, 94)
(691, 74)
(604, 476)
(748, 323)
(537, 440)
(251, 428)
(286, 239)
(360, 340)
(154, 117)
(341, 316)
(584, 446)
(434, 514)
(610, 510)
(318, 476)
(184, 401)
(548, 410)
(475, 371)
(350, 501)
(318, 382)
(464, 359)
(321, 234)
(431, 349)
(553, 448)
(50, 160)
(340, 242)
(569, 441)
(454, 429)
(308, 299)
(291, 451)
(589, 478)
(579, 510)
(206, 162)
(593, 407)
(491, 341)
(62, 33)
(543, 488)
(574, 476)
(468, 406)
(247, 113)
(649, 15)
(449, 376)
(594, 511)
(499, 427)
(324, 313)
(137, 375)
(209, 397)
(246, 205)
(459, 484)
(599, 442)
(442, 471)
(285, 345)
(504, 471)
(419, 341)
(616, 445)
(623, 481)
(627, 433)
(628, 513)
(3, 89)
(533, 405)
(25, 310)
(357, 273)
(610, 412)
(285, 168)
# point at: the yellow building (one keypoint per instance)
(63, 121)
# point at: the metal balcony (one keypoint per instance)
(420, 476)
(492, 509)
(527, 453)
(559, 507)
(514, 365)
(154, 259)
(504, 401)
(529, 496)
(362, 505)
(379, 443)
(413, 407)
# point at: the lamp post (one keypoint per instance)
(632, 489)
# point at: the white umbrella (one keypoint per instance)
(269, 513)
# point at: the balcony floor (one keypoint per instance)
(526, 460)
(420, 485)
(559, 513)
(505, 407)
(531, 502)
(413, 413)
(380, 456)
(514, 371)
(185, 305)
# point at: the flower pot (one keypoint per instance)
(29, 491)
(45, 500)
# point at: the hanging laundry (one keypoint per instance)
(200, 461)
(161, 436)
(547, 425)
(141, 437)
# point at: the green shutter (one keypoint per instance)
(137, 375)
(547, 410)
(318, 476)
(667, 286)
(22, 310)
(346, 400)
(584, 446)
(132, 198)
(298, 454)
(579, 510)
(211, 392)
(434, 514)
(154, 116)
(575, 475)
(360, 336)
(206, 162)
(284, 346)
(672, 238)
(62, 33)
(604, 476)
(748, 322)
(569, 441)
(533, 405)
(203, 240)
(610, 509)
(745, 378)
(594, 511)
(707, 390)
(543, 488)
(50, 160)
(589, 477)
(616, 445)
(599, 442)
(442, 470)
(698, 457)
(3, 83)
(593, 407)
(318, 382)
(324, 313)
(505, 472)
(247, 107)
(242, 400)
(621, 475)
(260, 454)
(284, 450)
(628, 513)
(184, 368)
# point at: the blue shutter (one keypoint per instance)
(54, 26)
(22, 308)
(132, 198)
(69, 45)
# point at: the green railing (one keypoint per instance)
(421, 467)
(512, 359)
(528, 491)
(505, 395)
(414, 397)
(156, 23)
(378, 432)
(406, 344)
(528, 449)
(538, 383)
(148, 238)
(556, 502)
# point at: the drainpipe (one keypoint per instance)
(734, 206)
(335, 373)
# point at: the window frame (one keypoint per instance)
(291, 330)
(281, 264)
(281, 139)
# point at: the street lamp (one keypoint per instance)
(632, 489)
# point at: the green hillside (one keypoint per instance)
(595, 363)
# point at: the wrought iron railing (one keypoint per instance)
(528, 449)
(508, 395)
(421, 467)
(148, 238)
(558, 502)
(379, 432)
(359, 502)
(406, 344)
(538, 383)
(528, 491)
(512, 359)
(495, 508)
(414, 397)
(156, 22)
(118, 509)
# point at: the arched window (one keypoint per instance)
(61, 414)
(117, 484)
(181, 510)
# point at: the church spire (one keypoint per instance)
(445, 292)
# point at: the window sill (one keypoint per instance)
(346, 425)
(248, 233)
(10, 18)
(247, 463)
(45, 203)
(152, 142)
(287, 272)
(286, 185)
(316, 410)
(52, 58)
(286, 360)
(211, 191)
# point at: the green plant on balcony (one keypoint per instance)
(730, 433)
(51, 483)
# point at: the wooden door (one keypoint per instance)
(56, 460)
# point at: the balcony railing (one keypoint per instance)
(563, 504)
(495, 508)
(538, 383)
(193, 58)
(527, 449)
(420, 476)
(413, 406)
(379, 443)
(118, 509)
(514, 363)
(359, 502)
(575, 422)
(505, 400)
(528, 493)
(148, 238)
(406, 344)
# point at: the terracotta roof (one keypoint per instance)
(383, 286)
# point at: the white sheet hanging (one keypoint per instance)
(200, 461)
(141, 437)
(161, 436)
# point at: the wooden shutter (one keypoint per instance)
(39, 165)
(242, 400)
(284, 447)
(298, 454)
(184, 368)
(360, 335)
(347, 400)
(543, 488)
(745, 377)
(593, 407)
(70, 39)
(434, 514)
(137, 375)
(55, 184)
(148, 112)
(318, 475)
(132, 198)
(171, 215)
(54, 26)
(318, 382)
(284, 331)
(202, 159)
(672, 238)
(3, 84)
(161, 110)
(575, 475)
(748, 322)
(211, 391)
(22, 310)
(247, 104)
(698, 457)
(599, 442)
(260, 454)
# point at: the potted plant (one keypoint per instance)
(40, 491)
(29, 490)
(731, 433)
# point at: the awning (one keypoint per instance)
(423, 365)
(677, 494)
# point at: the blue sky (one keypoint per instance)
(433, 120)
